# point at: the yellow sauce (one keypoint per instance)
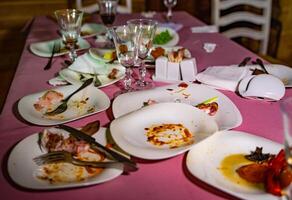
(228, 168)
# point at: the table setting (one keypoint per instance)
(132, 105)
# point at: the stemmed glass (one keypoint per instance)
(107, 12)
(286, 110)
(169, 4)
(70, 21)
(145, 31)
(125, 41)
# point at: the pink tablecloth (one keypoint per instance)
(166, 179)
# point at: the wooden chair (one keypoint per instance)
(92, 8)
(261, 19)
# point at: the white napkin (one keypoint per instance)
(57, 81)
(149, 14)
(174, 26)
(223, 77)
(86, 64)
(204, 29)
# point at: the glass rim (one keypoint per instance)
(68, 10)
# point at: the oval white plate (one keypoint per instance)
(204, 159)
(92, 29)
(73, 77)
(227, 117)
(21, 167)
(97, 99)
(128, 131)
(282, 72)
(174, 41)
(44, 49)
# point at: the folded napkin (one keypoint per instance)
(86, 64)
(223, 77)
(149, 14)
(172, 25)
(204, 29)
(57, 81)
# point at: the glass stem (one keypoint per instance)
(142, 72)
(169, 14)
(72, 52)
(128, 80)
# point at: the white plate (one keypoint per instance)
(282, 72)
(21, 167)
(227, 116)
(204, 159)
(44, 49)
(174, 41)
(98, 53)
(73, 77)
(129, 132)
(97, 99)
(92, 29)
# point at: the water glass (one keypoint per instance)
(70, 21)
(125, 41)
(286, 110)
(169, 4)
(145, 30)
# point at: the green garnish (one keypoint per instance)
(162, 38)
(210, 100)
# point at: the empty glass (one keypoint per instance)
(125, 41)
(169, 4)
(70, 21)
(286, 110)
(145, 31)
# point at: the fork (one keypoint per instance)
(63, 106)
(64, 156)
(56, 49)
(244, 61)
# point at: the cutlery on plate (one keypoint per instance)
(244, 62)
(261, 64)
(95, 145)
(63, 106)
(64, 156)
(56, 49)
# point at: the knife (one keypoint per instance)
(95, 145)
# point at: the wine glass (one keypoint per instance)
(169, 4)
(286, 110)
(70, 21)
(145, 31)
(125, 41)
(107, 12)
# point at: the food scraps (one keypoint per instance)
(162, 38)
(171, 135)
(258, 170)
(210, 106)
(54, 139)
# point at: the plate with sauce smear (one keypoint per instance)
(216, 159)
(162, 130)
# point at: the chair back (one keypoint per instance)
(263, 19)
(92, 8)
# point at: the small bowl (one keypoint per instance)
(264, 87)
(100, 54)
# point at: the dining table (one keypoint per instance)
(160, 179)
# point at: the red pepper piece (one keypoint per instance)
(276, 165)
